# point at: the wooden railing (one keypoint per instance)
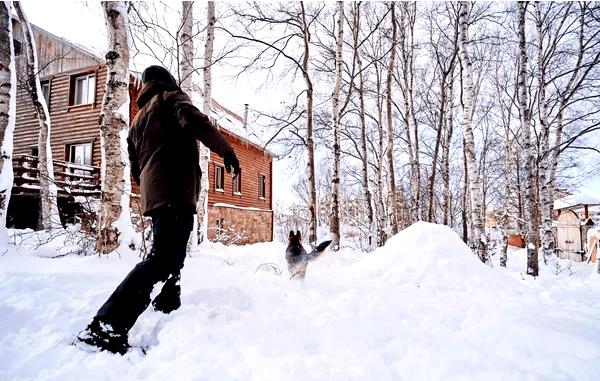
(70, 179)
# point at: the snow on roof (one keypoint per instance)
(576, 200)
(228, 119)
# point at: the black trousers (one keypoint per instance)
(171, 230)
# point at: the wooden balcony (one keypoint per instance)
(70, 179)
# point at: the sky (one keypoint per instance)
(85, 26)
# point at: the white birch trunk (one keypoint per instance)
(310, 145)
(504, 217)
(546, 210)
(414, 186)
(477, 239)
(202, 206)
(335, 169)
(393, 213)
(381, 212)
(8, 101)
(186, 44)
(114, 217)
(525, 118)
(48, 190)
(371, 241)
(449, 126)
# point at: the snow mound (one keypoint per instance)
(429, 255)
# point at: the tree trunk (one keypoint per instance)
(114, 219)
(438, 143)
(334, 220)
(446, 166)
(525, 118)
(48, 191)
(381, 221)
(310, 145)
(202, 205)
(478, 241)
(8, 91)
(411, 142)
(186, 44)
(504, 217)
(546, 209)
(393, 219)
(371, 241)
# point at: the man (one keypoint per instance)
(164, 163)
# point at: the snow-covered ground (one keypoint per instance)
(420, 308)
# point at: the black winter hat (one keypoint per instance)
(159, 73)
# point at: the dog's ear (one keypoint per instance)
(299, 235)
(291, 234)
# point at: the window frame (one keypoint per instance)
(74, 91)
(236, 184)
(20, 45)
(47, 84)
(69, 150)
(219, 169)
(262, 186)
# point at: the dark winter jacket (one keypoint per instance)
(163, 151)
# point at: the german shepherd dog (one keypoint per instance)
(297, 258)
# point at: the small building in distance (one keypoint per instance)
(240, 210)
(575, 215)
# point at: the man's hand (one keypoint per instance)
(231, 161)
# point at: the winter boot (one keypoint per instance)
(103, 337)
(168, 300)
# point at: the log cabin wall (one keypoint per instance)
(254, 162)
(71, 124)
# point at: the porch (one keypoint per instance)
(71, 179)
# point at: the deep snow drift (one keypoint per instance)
(421, 308)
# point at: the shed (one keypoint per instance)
(575, 217)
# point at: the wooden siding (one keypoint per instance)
(253, 162)
(55, 54)
(70, 124)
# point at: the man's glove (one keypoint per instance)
(231, 161)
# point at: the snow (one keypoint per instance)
(579, 199)
(421, 308)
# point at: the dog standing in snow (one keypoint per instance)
(297, 258)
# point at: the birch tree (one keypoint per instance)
(8, 90)
(202, 207)
(114, 218)
(363, 127)
(393, 213)
(48, 190)
(525, 120)
(335, 169)
(546, 213)
(477, 239)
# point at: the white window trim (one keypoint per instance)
(220, 190)
(75, 89)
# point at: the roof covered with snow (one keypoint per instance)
(576, 200)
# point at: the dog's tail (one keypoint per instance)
(317, 251)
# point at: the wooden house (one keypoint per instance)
(73, 79)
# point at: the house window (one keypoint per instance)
(237, 183)
(219, 179)
(18, 46)
(219, 229)
(262, 186)
(46, 92)
(83, 89)
(80, 153)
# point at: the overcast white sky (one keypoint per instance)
(83, 23)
